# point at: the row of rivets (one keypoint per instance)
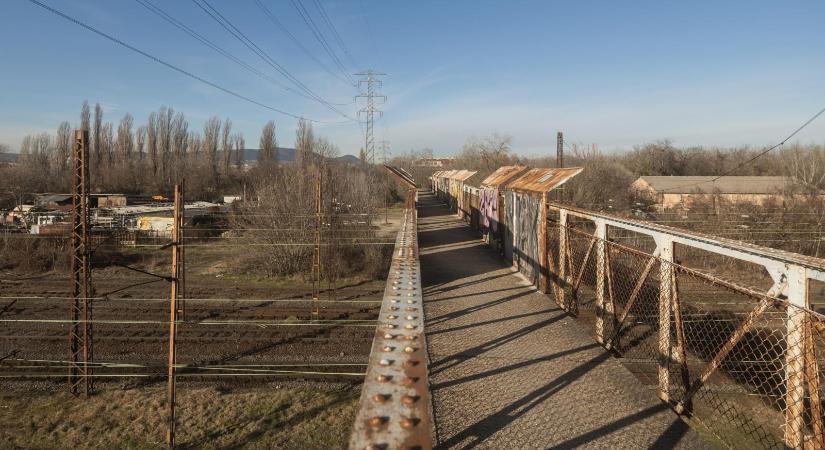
(405, 269)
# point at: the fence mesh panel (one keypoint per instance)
(743, 365)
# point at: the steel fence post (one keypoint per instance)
(601, 236)
(562, 275)
(665, 245)
(544, 269)
(794, 362)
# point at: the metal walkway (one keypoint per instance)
(509, 369)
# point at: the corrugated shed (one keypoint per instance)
(503, 175)
(722, 185)
(543, 180)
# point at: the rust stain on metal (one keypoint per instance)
(394, 409)
(402, 176)
(540, 181)
(503, 175)
(463, 175)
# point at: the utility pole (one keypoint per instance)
(372, 84)
(384, 146)
(316, 256)
(559, 150)
(175, 293)
(560, 161)
(80, 311)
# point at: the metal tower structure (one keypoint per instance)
(384, 146)
(316, 256)
(372, 84)
(80, 310)
(175, 296)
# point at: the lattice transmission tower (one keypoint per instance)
(371, 94)
(384, 147)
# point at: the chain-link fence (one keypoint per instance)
(725, 347)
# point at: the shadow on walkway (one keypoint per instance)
(509, 369)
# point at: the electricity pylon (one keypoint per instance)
(372, 84)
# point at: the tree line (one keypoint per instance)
(148, 158)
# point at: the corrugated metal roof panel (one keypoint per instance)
(543, 180)
(463, 175)
(503, 175)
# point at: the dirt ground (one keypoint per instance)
(214, 412)
(288, 415)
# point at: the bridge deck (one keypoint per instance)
(509, 369)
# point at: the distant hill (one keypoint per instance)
(250, 156)
(9, 157)
(351, 159)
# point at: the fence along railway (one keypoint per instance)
(722, 331)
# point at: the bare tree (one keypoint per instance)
(180, 140)
(268, 144)
(325, 149)
(140, 141)
(152, 142)
(164, 141)
(97, 154)
(63, 147)
(226, 145)
(485, 155)
(239, 151)
(304, 140)
(211, 139)
(84, 116)
(806, 167)
(125, 140)
(195, 145)
(107, 144)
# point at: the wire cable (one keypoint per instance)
(167, 64)
(335, 34)
(758, 155)
(310, 23)
(216, 15)
(154, 9)
(277, 23)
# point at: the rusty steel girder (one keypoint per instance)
(394, 409)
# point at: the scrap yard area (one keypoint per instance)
(262, 360)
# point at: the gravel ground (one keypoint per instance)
(509, 369)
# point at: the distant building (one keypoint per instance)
(680, 192)
(64, 201)
(434, 162)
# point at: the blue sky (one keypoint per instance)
(611, 73)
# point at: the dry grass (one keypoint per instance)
(297, 416)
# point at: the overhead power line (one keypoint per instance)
(277, 23)
(154, 9)
(334, 31)
(165, 63)
(310, 23)
(216, 15)
(758, 155)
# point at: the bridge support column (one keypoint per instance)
(601, 263)
(665, 301)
